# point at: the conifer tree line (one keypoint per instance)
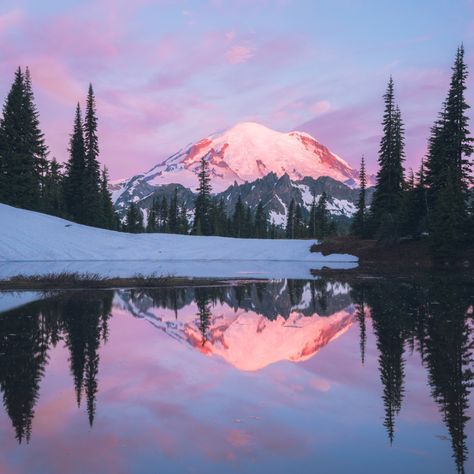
(77, 190)
(212, 218)
(433, 202)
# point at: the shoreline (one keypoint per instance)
(73, 281)
(77, 281)
(411, 256)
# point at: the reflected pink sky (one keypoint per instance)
(164, 405)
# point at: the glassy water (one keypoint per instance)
(279, 376)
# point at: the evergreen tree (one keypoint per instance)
(421, 201)
(299, 224)
(290, 221)
(22, 149)
(273, 230)
(134, 219)
(202, 218)
(247, 230)
(151, 226)
(74, 180)
(312, 219)
(35, 136)
(448, 169)
(183, 220)
(448, 221)
(389, 185)
(322, 221)
(261, 222)
(173, 213)
(219, 218)
(52, 190)
(407, 208)
(359, 223)
(238, 219)
(93, 205)
(109, 219)
(163, 215)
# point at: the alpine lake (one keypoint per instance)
(329, 374)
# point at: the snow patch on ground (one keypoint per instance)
(28, 237)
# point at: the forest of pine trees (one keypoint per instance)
(30, 180)
(435, 202)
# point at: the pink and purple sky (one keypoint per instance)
(167, 73)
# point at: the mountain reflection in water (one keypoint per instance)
(252, 328)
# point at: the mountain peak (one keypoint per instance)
(248, 151)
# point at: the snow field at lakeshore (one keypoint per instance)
(35, 243)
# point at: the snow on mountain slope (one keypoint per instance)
(28, 236)
(246, 152)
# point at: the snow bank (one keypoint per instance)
(27, 236)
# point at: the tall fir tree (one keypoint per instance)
(183, 224)
(448, 173)
(22, 149)
(74, 181)
(290, 221)
(35, 137)
(134, 220)
(238, 219)
(389, 184)
(52, 189)
(261, 222)
(151, 221)
(322, 220)
(173, 213)
(202, 218)
(299, 223)
(359, 223)
(163, 215)
(248, 223)
(93, 205)
(312, 219)
(109, 218)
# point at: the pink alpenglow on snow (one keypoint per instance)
(246, 152)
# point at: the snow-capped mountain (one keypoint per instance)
(252, 160)
(246, 152)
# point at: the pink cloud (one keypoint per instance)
(53, 77)
(10, 20)
(239, 54)
(321, 107)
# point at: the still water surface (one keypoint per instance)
(279, 376)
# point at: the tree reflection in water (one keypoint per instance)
(431, 316)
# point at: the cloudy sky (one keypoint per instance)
(167, 73)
